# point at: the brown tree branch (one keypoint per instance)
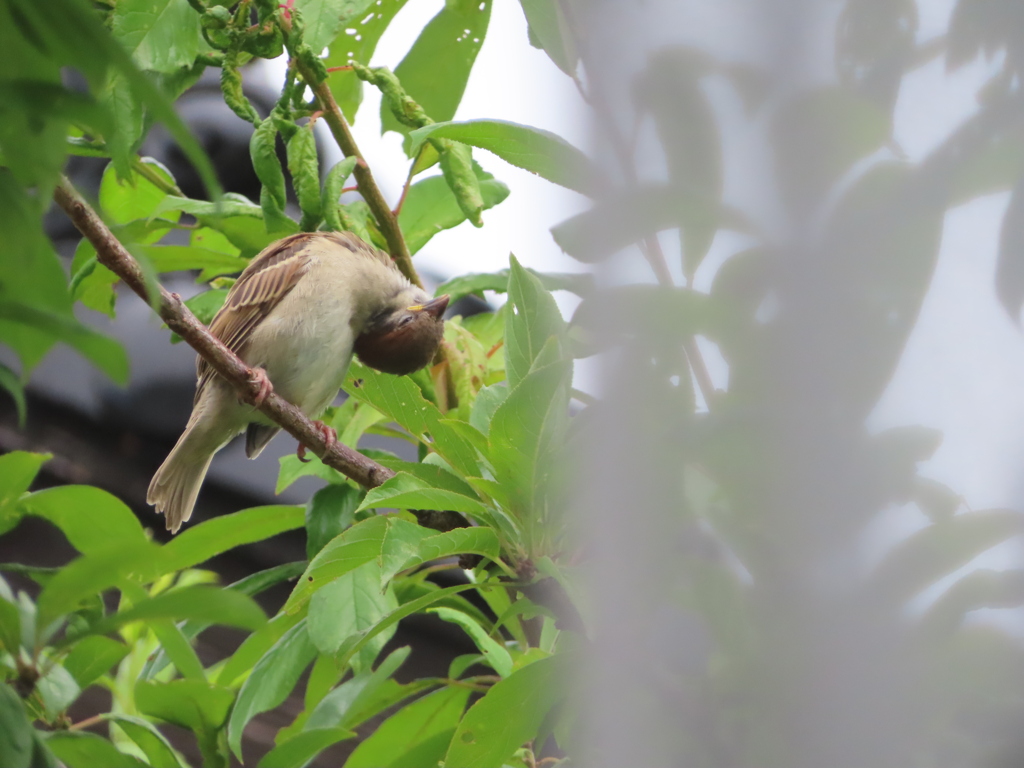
(386, 219)
(111, 254)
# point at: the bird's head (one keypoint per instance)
(403, 336)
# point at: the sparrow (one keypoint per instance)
(296, 315)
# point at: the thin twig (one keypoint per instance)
(148, 171)
(408, 179)
(405, 188)
(87, 722)
(463, 684)
(700, 370)
(368, 188)
(111, 254)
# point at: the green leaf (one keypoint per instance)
(532, 149)
(1010, 264)
(10, 627)
(135, 197)
(17, 471)
(399, 398)
(400, 545)
(93, 573)
(436, 69)
(129, 120)
(10, 382)
(175, 258)
(305, 171)
(404, 491)
(90, 518)
(359, 544)
(259, 582)
(430, 207)
(533, 320)
(76, 37)
(251, 585)
(211, 239)
(580, 283)
(431, 474)
(460, 174)
(160, 35)
(354, 701)
(981, 588)
(488, 400)
(199, 603)
(176, 648)
(363, 24)
(352, 429)
(648, 311)
(509, 715)
(333, 184)
(256, 645)
(231, 206)
(83, 147)
(91, 282)
(330, 511)
(322, 19)
(548, 26)
(37, 110)
(292, 468)
(35, 276)
(303, 747)
(416, 735)
(940, 549)
(671, 91)
(193, 704)
(347, 606)
(204, 306)
(234, 221)
(87, 750)
(93, 656)
(212, 537)
(355, 643)
(263, 150)
(494, 653)
(57, 690)
(837, 127)
(619, 220)
(272, 679)
(526, 432)
(154, 745)
(103, 352)
(475, 540)
(15, 730)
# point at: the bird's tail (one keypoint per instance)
(176, 484)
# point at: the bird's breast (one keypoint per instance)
(305, 345)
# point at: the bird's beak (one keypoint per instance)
(435, 308)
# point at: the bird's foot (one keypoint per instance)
(329, 434)
(259, 376)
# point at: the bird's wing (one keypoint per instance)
(268, 279)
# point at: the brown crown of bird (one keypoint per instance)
(296, 315)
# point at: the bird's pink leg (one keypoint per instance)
(259, 376)
(329, 434)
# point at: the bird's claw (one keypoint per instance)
(259, 376)
(329, 434)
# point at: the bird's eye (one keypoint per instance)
(405, 321)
